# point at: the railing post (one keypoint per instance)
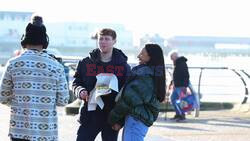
(199, 83)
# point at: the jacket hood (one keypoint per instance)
(181, 59)
(118, 57)
(142, 70)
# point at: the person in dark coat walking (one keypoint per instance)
(180, 82)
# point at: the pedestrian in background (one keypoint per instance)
(180, 83)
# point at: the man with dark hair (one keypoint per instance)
(33, 84)
(106, 60)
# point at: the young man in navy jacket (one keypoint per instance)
(104, 59)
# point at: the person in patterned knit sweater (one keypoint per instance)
(33, 84)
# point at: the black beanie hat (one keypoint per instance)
(35, 33)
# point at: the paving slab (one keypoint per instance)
(223, 125)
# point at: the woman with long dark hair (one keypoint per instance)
(138, 106)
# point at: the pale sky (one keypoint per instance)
(167, 17)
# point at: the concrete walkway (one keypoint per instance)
(223, 125)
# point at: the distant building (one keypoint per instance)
(71, 38)
(156, 38)
(12, 25)
(69, 34)
(209, 44)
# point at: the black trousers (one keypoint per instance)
(15, 139)
(92, 123)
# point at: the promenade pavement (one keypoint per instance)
(222, 125)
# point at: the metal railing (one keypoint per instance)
(241, 75)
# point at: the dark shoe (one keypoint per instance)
(181, 118)
(175, 117)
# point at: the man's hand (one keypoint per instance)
(116, 127)
(84, 95)
(184, 90)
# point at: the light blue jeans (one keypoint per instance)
(134, 130)
(174, 97)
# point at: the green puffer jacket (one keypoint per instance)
(138, 98)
